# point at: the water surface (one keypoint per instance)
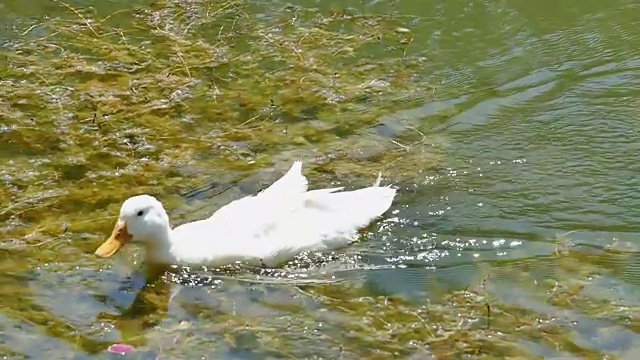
(530, 209)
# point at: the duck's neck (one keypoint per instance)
(159, 249)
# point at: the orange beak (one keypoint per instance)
(119, 238)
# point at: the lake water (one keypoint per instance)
(514, 233)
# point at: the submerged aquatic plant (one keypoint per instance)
(186, 91)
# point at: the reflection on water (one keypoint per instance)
(534, 207)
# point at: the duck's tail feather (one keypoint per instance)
(378, 180)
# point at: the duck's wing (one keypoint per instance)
(290, 185)
(292, 182)
(252, 218)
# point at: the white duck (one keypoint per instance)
(266, 229)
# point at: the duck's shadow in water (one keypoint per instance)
(151, 295)
(148, 292)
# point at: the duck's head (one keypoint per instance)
(142, 219)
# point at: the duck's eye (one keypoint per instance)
(140, 213)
